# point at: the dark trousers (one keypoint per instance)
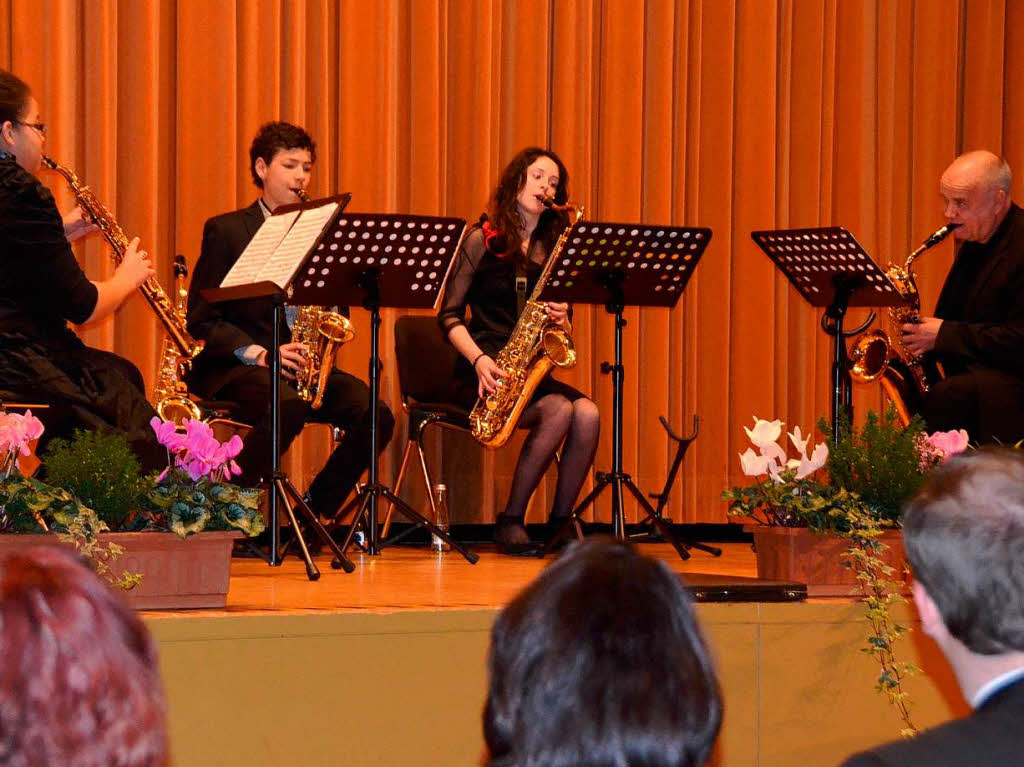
(346, 405)
(989, 404)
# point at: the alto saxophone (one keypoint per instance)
(173, 321)
(536, 345)
(875, 356)
(323, 332)
(171, 394)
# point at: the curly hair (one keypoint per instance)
(274, 137)
(503, 211)
(79, 684)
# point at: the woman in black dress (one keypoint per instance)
(42, 287)
(516, 239)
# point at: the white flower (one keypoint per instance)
(799, 441)
(810, 465)
(764, 432)
(773, 452)
(753, 464)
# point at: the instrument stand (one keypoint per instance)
(830, 269)
(281, 490)
(369, 494)
(654, 263)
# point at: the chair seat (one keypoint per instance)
(422, 414)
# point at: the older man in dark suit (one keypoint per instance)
(978, 332)
(964, 536)
(238, 334)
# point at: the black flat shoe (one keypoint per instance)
(513, 540)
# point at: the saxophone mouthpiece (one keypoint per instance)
(49, 163)
(550, 204)
(547, 202)
(301, 194)
(939, 235)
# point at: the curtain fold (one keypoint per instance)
(732, 114)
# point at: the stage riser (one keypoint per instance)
(408, 688)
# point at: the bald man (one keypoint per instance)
(977, 333)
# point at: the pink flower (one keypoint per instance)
(946, 444)
(197, 452)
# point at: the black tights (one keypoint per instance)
(552, 420)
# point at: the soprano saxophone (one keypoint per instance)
(170, 392)
(323, 332)
(173, 321)
(536, 345)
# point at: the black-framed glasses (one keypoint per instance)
(41, 127)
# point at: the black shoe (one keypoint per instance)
(513, 540)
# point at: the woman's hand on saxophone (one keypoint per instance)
(135, 268)
(77, 225)
(559, 314)
(488, 375)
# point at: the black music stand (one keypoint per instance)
(830, 269)
(282, 491)
(381, 260)
(619, 265)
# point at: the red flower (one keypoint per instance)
(495, 240)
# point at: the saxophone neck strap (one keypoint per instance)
(520, 287)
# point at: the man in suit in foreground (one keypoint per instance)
(977, 334)
(238, 334)
(964, 536)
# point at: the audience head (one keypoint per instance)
(22, 134)
(281, 159)
(600, 662)
(79, 684)
(531, 172)
(975, 190)
(964, 537)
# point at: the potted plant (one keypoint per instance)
(95, 491)
(831, 519)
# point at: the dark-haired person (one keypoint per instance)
(42, 288)
(600, 661)
(79, 682)
(964, 537)
(514, 243)
(238, 335)
(978, 331)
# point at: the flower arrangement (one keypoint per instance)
(868, 475)
(194, 492)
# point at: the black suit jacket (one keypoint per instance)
(992, 736)
(984, 326)
(226, 326)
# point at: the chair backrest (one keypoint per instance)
(426, 361)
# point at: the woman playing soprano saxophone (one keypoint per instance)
(516, 239)
(42, 287)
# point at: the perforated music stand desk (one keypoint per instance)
(618, 265)
(381, 260)
(830, 269)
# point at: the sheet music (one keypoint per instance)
(285, 260)
(250, 265)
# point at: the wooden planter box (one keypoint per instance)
(798, 554)
(176, 573)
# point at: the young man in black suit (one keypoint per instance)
(978, 331)
(964, 536)
(234, 364)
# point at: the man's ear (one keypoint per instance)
(261, 168)
(931, 618)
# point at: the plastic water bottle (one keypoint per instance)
(443, 519)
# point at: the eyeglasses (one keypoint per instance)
(41, 127)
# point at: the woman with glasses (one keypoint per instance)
(42, 288)
(512, 245)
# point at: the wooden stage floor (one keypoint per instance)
(413, 578)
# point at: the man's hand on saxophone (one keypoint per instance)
(293, 360)
(919, 337)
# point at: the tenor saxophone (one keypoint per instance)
(323, 332)
(536, 345)
(173, 321)
(876, 356)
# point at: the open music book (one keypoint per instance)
(283, 242)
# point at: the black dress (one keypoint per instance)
(486, 283)
(42, 287)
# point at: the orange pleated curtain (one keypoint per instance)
(731, 114)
